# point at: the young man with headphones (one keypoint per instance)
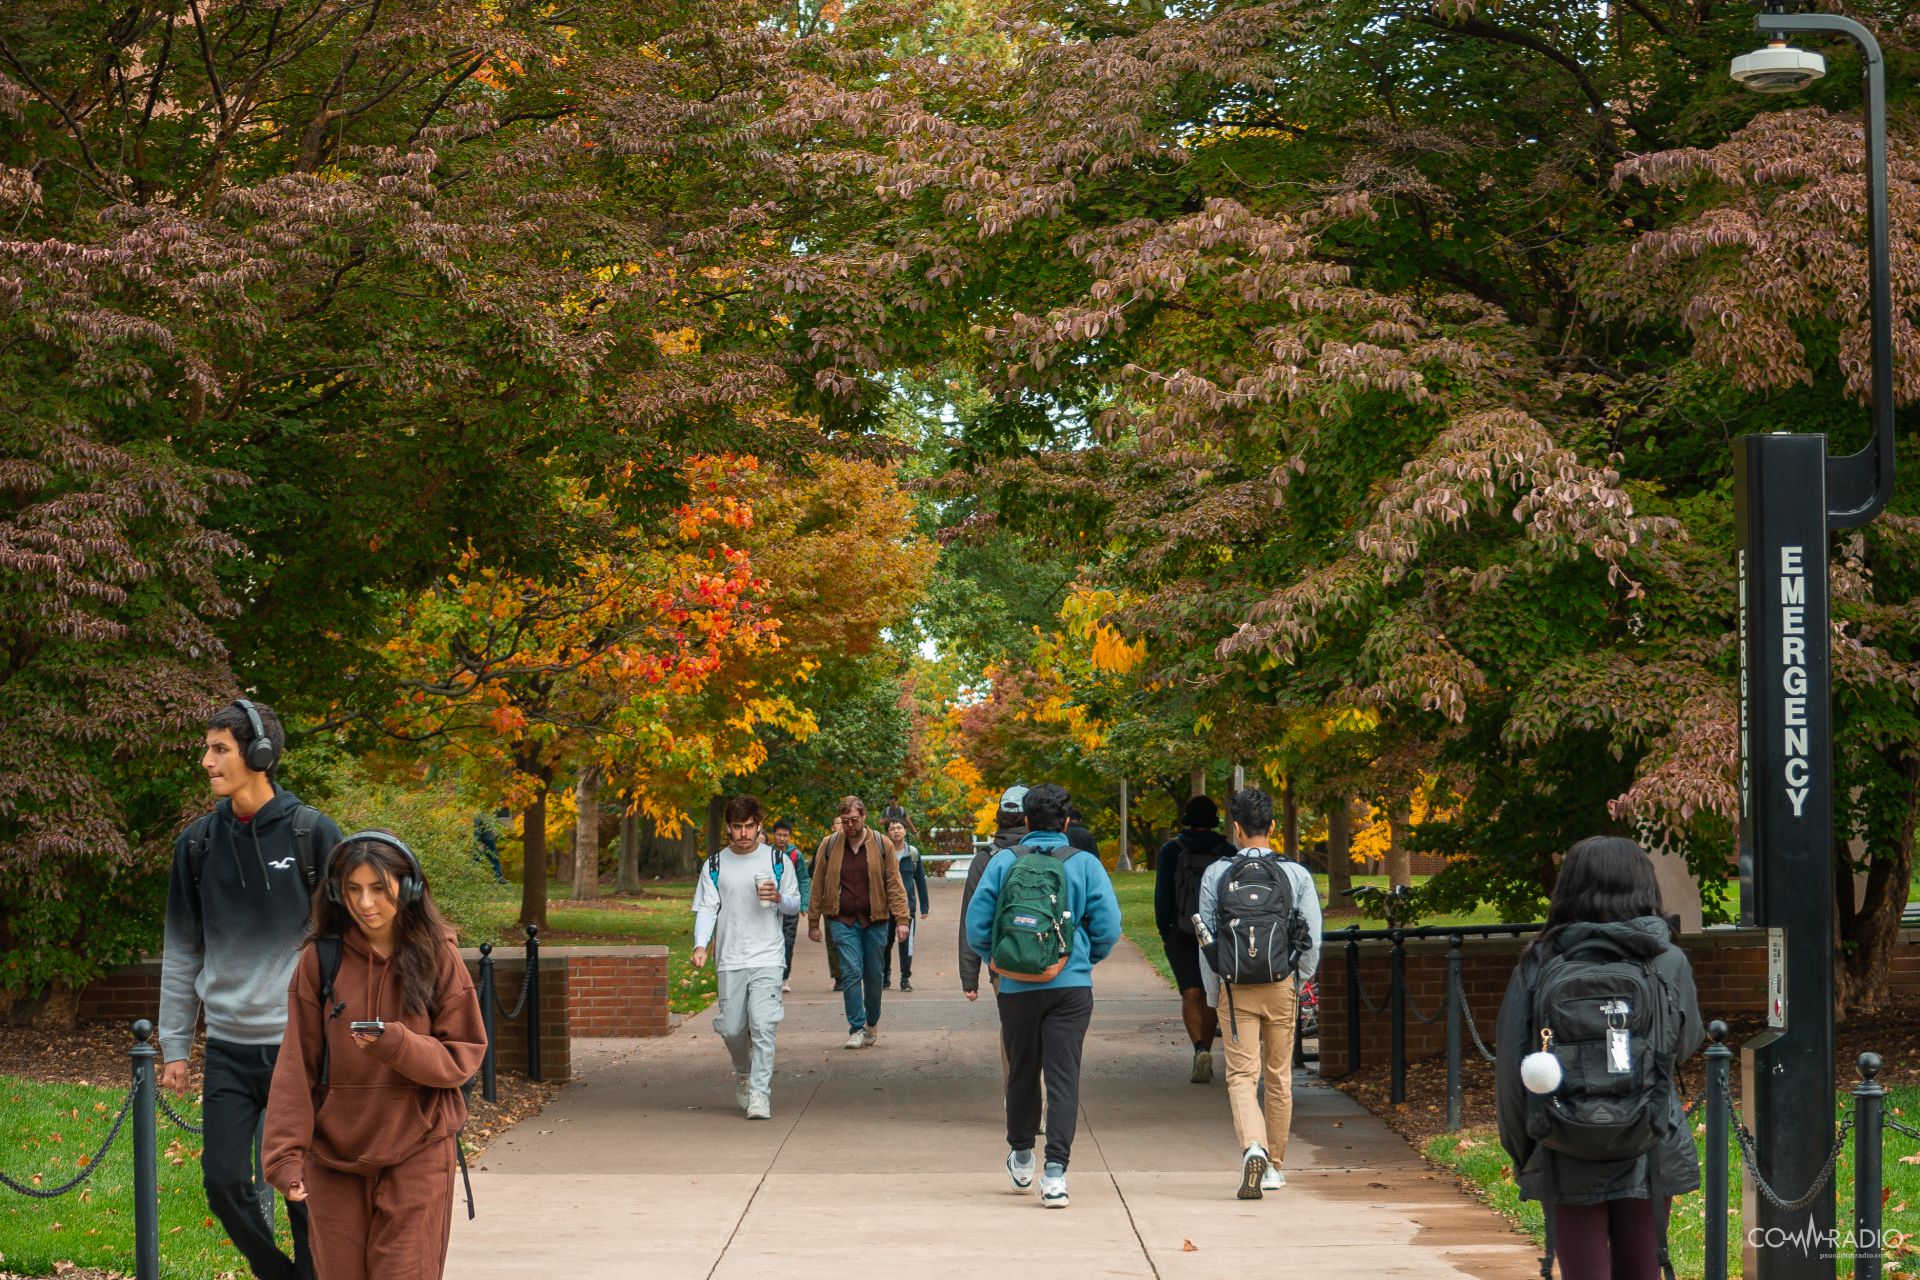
(238, 905)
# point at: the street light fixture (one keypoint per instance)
(1788, 497)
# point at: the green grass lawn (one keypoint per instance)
(47, 1129)
(661, 916)
(1135, 890)
(1476, 1155)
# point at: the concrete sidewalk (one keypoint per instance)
(889, 1159)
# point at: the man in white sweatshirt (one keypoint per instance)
(738, 903)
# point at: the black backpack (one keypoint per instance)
(1612, 1023)
(328, 951)
(305, 819)
(1189, 869)
(1259, 934)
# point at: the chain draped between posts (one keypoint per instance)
(1750, 1157)
(1473, 1026)
(520, 1005)
(179, 1120)
(87, 1169)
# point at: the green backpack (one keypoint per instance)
(1033, 929)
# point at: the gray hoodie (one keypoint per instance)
(231, 942)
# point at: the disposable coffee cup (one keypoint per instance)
(759, 880)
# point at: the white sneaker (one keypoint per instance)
(1053, 1187)
(785, 987)
(1020, 1172)
(739, 1091)
(759, 1107)
(1273, 1179)
(857, 1039)
(1253, 1173)
(870, 1037)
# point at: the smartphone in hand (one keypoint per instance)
(367, 1028)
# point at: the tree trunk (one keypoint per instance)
(1289, 821)
(586, 835)
(1339, 849)
(1399, 860)
(628, 880)
(1867, 936)
(533, 872)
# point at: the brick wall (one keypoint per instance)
(584, 991)
(1729, 969)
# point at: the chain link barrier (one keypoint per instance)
(1751, 1161)
(179, 1120)
(1427, 1019)
(1473, 1028)
(86, 1170)
(1897, 1127)
(1375, 1009)
(526, 985)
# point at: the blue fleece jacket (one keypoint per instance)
(1090, 901)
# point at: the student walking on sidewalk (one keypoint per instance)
(1178, 869)
(1042, 916)
(857, 888)
(238, 905)
(383, 1027)
(1601, 997)
(780, 836)
(1262, 912)
(913, 876)
(744, 893)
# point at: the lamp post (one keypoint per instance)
(1788, 494)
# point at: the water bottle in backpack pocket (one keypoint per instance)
(1606, 1018)
(1259, 933)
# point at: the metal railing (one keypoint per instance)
(528, 1001)
(1398, 1004)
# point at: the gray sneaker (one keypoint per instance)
(1053, 1186)
(870, 1038)
(1272, 1179)
(740, 1090)
(1020, 1169)
(1253, 1171)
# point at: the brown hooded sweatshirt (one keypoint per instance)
(387, 1101)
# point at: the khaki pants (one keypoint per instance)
(1266, 1016)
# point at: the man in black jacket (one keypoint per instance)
(1178, 869)
(237, 908)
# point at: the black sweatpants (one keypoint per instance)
(235, 1099)
(1043, 1032)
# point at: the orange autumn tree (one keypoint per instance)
(533, 679)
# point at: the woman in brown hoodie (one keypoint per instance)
(362, 1124)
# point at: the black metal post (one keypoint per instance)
(488, 1086)
(1786, 783)
(1453, 1032)
(146, 1157)
(533, 1003)
(1719, 1071)
(1868, 1100)
(1397, 994)
(1353, 998)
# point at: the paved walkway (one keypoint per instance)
(887, 1161)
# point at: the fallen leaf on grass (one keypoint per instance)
(1912, 1159)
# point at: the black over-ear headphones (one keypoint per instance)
(412, 885)
(259, 753)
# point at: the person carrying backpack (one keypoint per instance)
(913, 878)
(238, 904)
(1607, 1000)
(1178, 870)
(1262, 918)
(743, 894)
(780, 836)
(1042, 916)
(383, 1030)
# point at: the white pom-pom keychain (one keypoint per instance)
(1540, 1072)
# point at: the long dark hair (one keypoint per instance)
(420, 931)
(1603, 880)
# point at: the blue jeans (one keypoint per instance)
(863, 952)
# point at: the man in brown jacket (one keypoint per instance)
(857, 887)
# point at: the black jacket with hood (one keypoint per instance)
(232, 940)
(1672, 1168)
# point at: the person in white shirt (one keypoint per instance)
(1263, 1003)
(741, 896)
